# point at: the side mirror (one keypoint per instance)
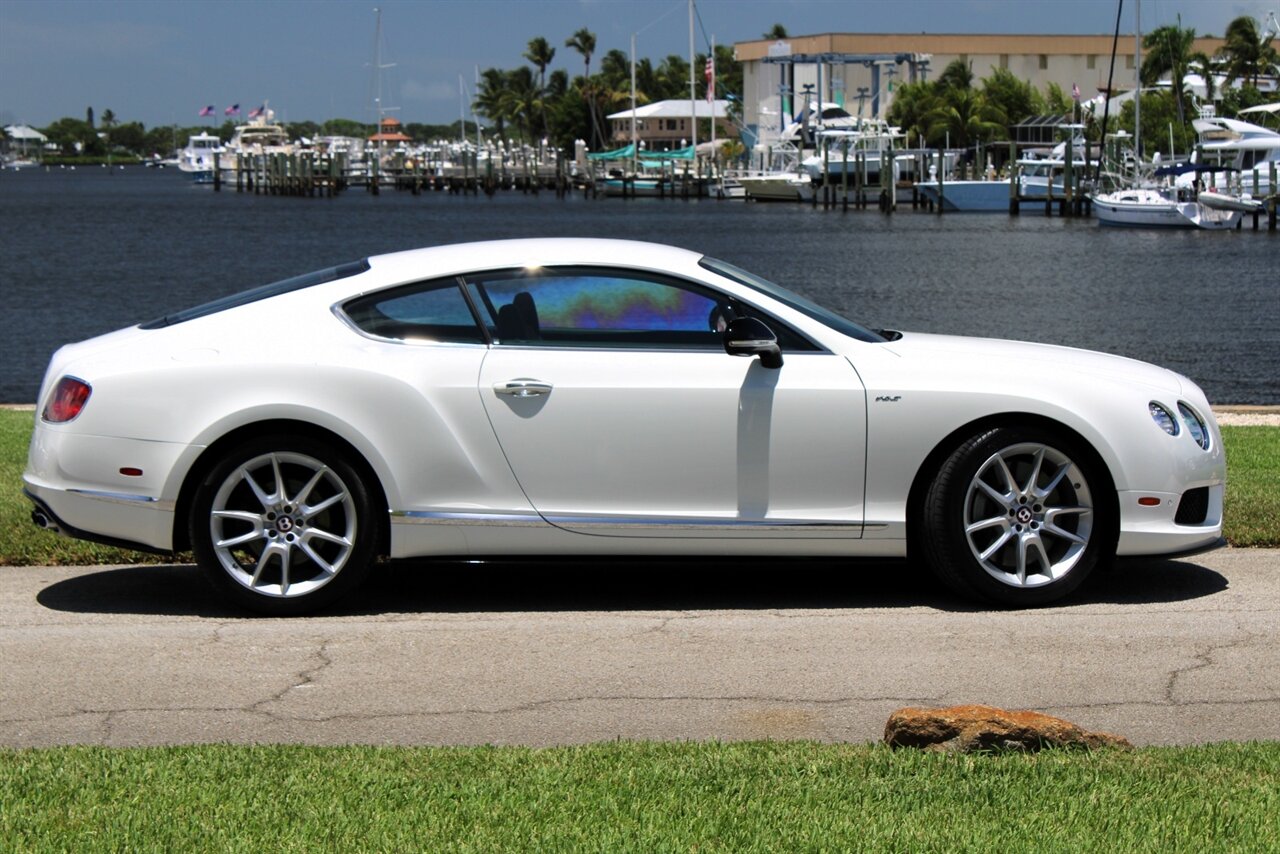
(749, 336)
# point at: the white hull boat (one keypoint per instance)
(1150, 208)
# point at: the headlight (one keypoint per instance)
(1199, 430)
(1163, 417)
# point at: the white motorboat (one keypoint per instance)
(1249, 149)
(197, 158)
(776, 186)
(1148, 207)
(260, 135)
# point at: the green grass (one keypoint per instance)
(1252, 511)
(790, 796)
(1252, 504)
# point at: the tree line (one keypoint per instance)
(533, 101)
(526, 103)
(957, 109)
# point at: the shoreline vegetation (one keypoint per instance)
(537, 100)
(1252, 502)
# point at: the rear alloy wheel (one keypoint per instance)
(283, 526)
(1013, 517)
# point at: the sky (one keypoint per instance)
(161, 61)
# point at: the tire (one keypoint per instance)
(1018, 516)
(283, 551)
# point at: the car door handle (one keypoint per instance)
(522, 388)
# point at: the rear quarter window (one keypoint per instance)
(425, 311)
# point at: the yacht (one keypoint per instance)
(197, 158)
(1241, 146)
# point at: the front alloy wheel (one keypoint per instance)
(1028, 514)
(1017, 516)
(283, 527)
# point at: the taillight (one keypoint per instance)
(68, 398)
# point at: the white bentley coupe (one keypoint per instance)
(603, 397)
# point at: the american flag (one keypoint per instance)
(710, 74)
(257, 111)
(208, 111)
(233, 110)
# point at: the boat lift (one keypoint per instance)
(780, 55)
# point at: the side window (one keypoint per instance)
(597, 307)
(425, 311)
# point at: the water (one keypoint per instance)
(88, 251)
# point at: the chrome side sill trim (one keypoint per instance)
(648, 523)
(434, 517)
(702, 524)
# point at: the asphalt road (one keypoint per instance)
(1162, 652)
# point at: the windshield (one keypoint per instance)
(792, 300)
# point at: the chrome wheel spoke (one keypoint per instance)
(240, 540)
(993, 522)
(315, 558)
(317, 534)
(263, 498)
(307, 511)
(305, 492)
(997, 545)
(1030, 543)
(1030, 488)
(1053, 484)
(262, 533)
(1004, 500)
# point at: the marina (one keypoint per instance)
(148, 241)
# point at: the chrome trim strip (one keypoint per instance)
(652, 523)
(440, 517)
(123, 498)
(702, 524)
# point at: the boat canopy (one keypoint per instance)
(629, 151)
(1184, 168)
(624, 153)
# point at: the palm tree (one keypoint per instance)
(1249, 55)
(776, 32)
(912, 103)
(1168, 50)
(540, 54)
(520, 99)
(1202, 64)
(490, 98)
(965, 117)
(584, 42)
(957, 75)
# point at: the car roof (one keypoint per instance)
(532, 252)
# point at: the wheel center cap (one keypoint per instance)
(1024, 515)
(284, 524)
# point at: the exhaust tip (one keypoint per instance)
(42, 520)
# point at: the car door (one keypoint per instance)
(620, 413)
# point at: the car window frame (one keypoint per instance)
(483, 338)
(784, 330)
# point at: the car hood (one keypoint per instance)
(985, 354)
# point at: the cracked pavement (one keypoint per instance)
(553, 652)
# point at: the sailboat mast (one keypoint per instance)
(693, 90)
(635, 166)
(711, 94)
(1137, 83)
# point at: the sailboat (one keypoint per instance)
(1167, 206)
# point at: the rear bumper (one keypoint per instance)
(129, 522)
